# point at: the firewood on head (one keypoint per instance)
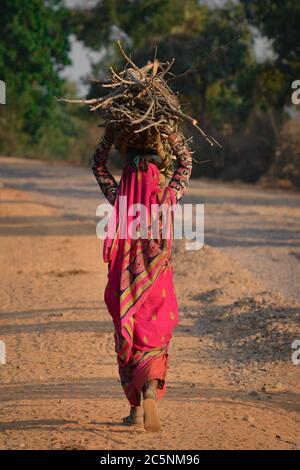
(141, 109)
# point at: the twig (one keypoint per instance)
(128, 58)
(80, 101)
(137, 121)
(167, 68)
(150, 125)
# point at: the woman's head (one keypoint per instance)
(147, 139)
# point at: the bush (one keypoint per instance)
(246, 153)
(287, 156)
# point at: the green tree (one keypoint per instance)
(212, 43)
(213, 64)
(34, 48)
(279, 21)
(140, 20)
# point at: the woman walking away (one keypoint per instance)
(140, 293)
(141, 120)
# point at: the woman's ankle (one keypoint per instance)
(135, 410)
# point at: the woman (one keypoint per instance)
(140, 294)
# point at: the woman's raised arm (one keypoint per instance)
(105, 179)
(183, 171)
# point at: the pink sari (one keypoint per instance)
(140, 293)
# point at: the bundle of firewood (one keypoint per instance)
(140, 99)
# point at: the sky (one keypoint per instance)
(81, 56)
(82, 59)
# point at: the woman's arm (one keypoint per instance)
(183, 171)
(106, 181)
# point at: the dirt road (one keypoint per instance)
(231, 380)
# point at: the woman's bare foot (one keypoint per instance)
(151, 418)
(135, 416)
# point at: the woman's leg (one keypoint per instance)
(135, 416)
(151, 417)
(125, 371)
(136, 413)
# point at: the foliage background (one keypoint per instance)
(243, 101)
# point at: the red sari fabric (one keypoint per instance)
(140, 293)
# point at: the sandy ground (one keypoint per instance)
(232, 384)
